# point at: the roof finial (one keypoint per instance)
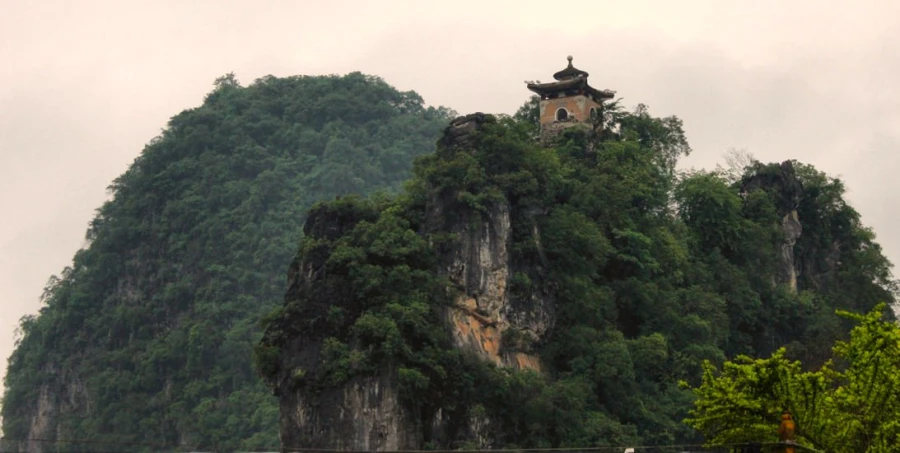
(570, 60)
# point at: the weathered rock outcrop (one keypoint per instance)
(65, 394)
(484, 318)
(788, 269)
(366, 412)
(483, 315)
(362, 415)
(782, 183)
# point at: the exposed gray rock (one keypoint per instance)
(366, 413)
(461, 131)
(785, 188)
(480, 269)
(792, 229)
(363, 415)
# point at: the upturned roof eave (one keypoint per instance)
(552, 87)
(564, 85)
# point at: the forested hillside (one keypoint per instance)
(512, 294)
(517, 295)
(147, 337)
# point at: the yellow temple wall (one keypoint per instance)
(577, 106)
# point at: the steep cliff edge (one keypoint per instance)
(786, 190)
(523, 296)
(480, 267)
(365, 411)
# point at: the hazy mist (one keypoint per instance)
(84, 85)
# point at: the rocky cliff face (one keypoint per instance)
(41, 422)
(66, 395)
(790, 225)
(483, 320)
(365, 414)
(784, 186)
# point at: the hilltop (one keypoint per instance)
(148, 336)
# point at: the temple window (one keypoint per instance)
(562, 114)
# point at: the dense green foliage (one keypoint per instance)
(654, 274)
(147, 337)
(851, 404)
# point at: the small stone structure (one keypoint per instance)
(568, 102)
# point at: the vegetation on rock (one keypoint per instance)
(655, 274)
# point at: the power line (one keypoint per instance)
(618, 448)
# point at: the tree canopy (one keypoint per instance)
(147, 337)
(850, 404)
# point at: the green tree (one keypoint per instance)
(851, 404)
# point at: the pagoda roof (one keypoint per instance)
(570, 72)
(578, 83)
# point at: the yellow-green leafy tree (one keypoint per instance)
(851, 404)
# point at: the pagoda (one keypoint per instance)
(569, 101)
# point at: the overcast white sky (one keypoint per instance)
(85, 84)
